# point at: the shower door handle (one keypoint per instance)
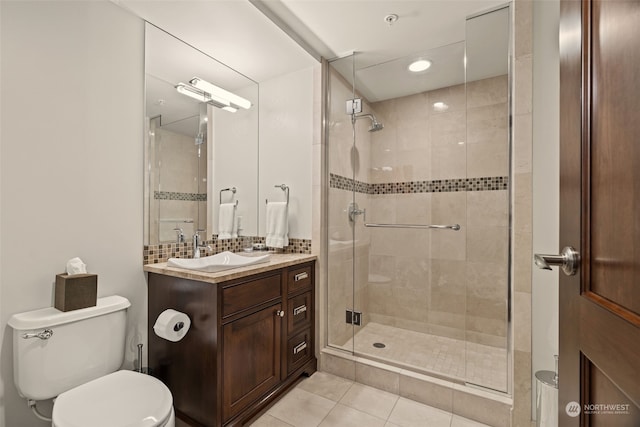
(568, 260)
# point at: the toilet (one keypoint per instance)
(75, 357)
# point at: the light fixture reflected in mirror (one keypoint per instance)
(204, 91)
(217, 92)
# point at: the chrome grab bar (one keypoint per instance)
(454, 227)
(43, 335)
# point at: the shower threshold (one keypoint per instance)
(446, 358)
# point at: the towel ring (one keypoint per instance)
(284, 188)
(232, 189)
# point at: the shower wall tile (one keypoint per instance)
(413, 208)
(523, 202)
(449, 208)
(488, 159)
(522, 318)
(523, 141)
(523, 260)
(488, 208)
(411, 109)
(412, 273)
(523, 28)
(448, 161)
(487, 92)
(524, 84)
(488, 244)
(447, 128)
(487, 124)
(449, 245)
(454, 98)
(413, 165)
(486, 279)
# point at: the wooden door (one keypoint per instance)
(251, 359)
(599, 373)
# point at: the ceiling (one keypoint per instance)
(297, 32)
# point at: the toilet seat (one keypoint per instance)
(120, 399)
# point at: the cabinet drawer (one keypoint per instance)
(245, 295)
(299, 350)
(300, 312)
(299, 278)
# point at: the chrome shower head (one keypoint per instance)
(375, 124)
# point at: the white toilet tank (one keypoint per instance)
(85, 344)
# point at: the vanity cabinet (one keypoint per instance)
(250, 339)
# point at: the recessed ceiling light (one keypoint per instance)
(419, 65)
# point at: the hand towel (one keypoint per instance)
(227, 221)
(277, 225)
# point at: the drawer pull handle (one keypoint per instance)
(297, 349)
(299, 310)
(300, 276)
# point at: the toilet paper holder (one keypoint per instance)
(178, 326)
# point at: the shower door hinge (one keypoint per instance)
(354, 317)
(354, 106)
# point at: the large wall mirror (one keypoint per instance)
(201, 142)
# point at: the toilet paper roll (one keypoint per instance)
(172, 325)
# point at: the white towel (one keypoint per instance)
(277, 225)
(227, 221)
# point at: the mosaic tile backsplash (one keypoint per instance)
(174, 195)
(154, 254)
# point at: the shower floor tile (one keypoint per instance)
(474, 363)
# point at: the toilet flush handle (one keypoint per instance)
(43, 335)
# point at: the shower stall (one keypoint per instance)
(418, 216)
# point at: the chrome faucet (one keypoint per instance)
(197, 245)
(179, 235)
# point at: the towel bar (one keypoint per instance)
(454, 227)
(232, 189)
(284, 188)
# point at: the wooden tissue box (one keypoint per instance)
(76, 291)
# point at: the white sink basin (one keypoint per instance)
(218, 262)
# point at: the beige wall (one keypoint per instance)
(71, 171)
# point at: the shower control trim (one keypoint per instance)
(354, 211)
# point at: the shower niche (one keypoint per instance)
(419, 206)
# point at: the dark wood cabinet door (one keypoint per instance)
(251, 358)
(599, 375)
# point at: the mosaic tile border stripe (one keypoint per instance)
(153, 254)
(491, 183)
(174, 195)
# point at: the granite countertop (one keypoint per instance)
(275, 262)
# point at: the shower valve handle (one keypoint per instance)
(354, 211)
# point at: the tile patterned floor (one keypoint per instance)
(326, 400)
(475, 363)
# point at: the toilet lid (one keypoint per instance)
(120, 399)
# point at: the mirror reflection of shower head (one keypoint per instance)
(375, 124)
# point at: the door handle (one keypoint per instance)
(568, 260)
